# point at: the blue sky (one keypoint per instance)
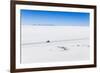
(54, 18)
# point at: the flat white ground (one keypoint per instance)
(67, 43)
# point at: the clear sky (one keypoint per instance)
(54, 18)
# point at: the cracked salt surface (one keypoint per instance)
(72, 44)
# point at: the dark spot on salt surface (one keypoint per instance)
(47, 41)
(88, 45)
(62, 47)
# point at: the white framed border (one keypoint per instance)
(49, 8)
